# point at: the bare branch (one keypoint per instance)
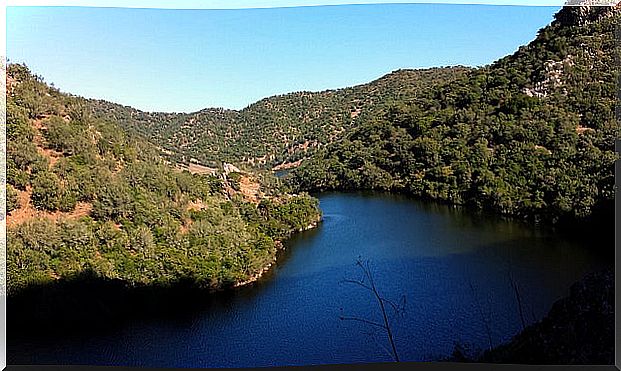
(367, 275)
(359, 283)
(518, 298)
(384, 348)
(398, 308)
(343, 318)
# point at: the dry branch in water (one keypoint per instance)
(368, 283)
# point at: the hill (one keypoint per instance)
(86, 197)
(577, 330)
(275, 131)
(531, 135)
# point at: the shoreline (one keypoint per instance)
(596, 221)
(553, 339)
(279, 248)
(117, 294)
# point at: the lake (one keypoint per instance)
(452, 267)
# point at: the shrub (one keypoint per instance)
(46, 191)
(12, 198)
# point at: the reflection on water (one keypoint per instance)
(442, 259)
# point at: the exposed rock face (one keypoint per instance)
(581, 12)
(230, 168)
(553, 78)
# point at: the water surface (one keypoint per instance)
(452, 267)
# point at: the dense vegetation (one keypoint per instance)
(84, 196)
(274, 130)
(529, 135)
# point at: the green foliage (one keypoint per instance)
(282, 128)
(30, 249)
(12, 198)
(48, 193)
(17, 126)
(67, 137)
(148, 223)
(21, 153)
(281, 219)
(529, 135)
(504, 138)
(507, 137)
(113, 201)
(17, 177)
(30, 93)
(220, 247)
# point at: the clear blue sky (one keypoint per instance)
(186, 60)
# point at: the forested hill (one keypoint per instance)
(531, 135)
(87, 199)
(276, 130)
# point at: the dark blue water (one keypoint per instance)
(444, 261)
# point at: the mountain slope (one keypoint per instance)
(85, 197)
(529, 135)
(577, 330)
(275, 130)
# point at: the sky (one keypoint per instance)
(182, 60)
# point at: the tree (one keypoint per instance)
(46, 191)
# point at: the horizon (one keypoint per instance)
(242, 65)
